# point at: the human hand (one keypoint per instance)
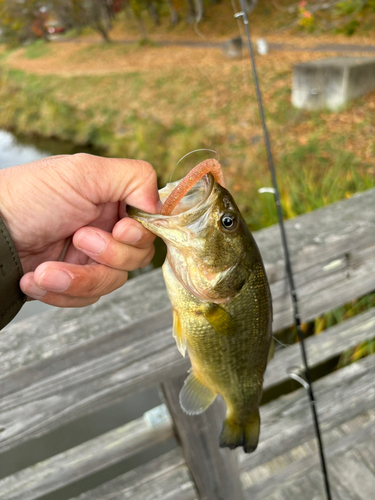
(67, 218)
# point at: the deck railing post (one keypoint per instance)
(214, 470)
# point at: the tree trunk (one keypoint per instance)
(100, 28)
(190, 18)
(141, 27)
(173, 12)
(105, 16)
(153, 13)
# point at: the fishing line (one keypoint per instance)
(284, 346)
(191, 152)
(297, 318)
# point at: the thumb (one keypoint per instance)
(113, 179)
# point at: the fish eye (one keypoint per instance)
(228, 222)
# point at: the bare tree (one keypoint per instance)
(98, 15)
(173, 12)
(151, 7)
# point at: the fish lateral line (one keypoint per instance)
(207, 166)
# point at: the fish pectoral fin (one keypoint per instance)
(195, 397)
(177, 333)
(235, 434)
(220, 320)
(271, 352)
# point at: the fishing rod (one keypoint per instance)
(293, 292)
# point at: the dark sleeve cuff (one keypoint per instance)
(11, 297)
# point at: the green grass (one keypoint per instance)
(37, 49)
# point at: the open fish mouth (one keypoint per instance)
(193, 199)
(193, 203)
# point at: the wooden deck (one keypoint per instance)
(67, 364)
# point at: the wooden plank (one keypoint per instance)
(368, 455)
(279, 463)
(68, 363)
(329, 342)
(214, 470)
(276, 485)
(350, 473)
(45, 336)
(318, 236)
(165, 478)
(326, 292)
(90, 457)
(287, 422)
(42, 397)
(320, 348)
(68, 389)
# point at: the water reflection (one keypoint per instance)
(12, 152)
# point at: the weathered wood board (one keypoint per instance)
(44, 396)
(65, 364)
(321, 348)
(165, 478)
(287, 422)
(286, 425)
(351, 475)
(213, 469)
(87, 458)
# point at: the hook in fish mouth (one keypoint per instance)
(173, 228)
(194, 199)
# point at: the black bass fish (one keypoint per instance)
(221, 300)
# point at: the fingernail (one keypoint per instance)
(131, 234)
(91, 241)
(35, 292)
(54, 280)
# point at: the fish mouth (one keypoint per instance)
(193, 199)
(188, 209)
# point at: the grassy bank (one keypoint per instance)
(159, 103)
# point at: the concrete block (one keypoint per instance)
(331, 83)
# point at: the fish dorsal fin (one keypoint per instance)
(177, 333)
(271, 352)
(195, 397)
(220, 320)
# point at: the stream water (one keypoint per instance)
(16, 151)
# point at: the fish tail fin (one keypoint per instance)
(234, 434)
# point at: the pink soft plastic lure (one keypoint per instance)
(207, 166)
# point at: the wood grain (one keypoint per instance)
(287, 422)
(342, 463)
(65, 364)
(214, 470)
(165, 478)
(85, 459)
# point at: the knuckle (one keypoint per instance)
(82, 157)
(148, 171)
